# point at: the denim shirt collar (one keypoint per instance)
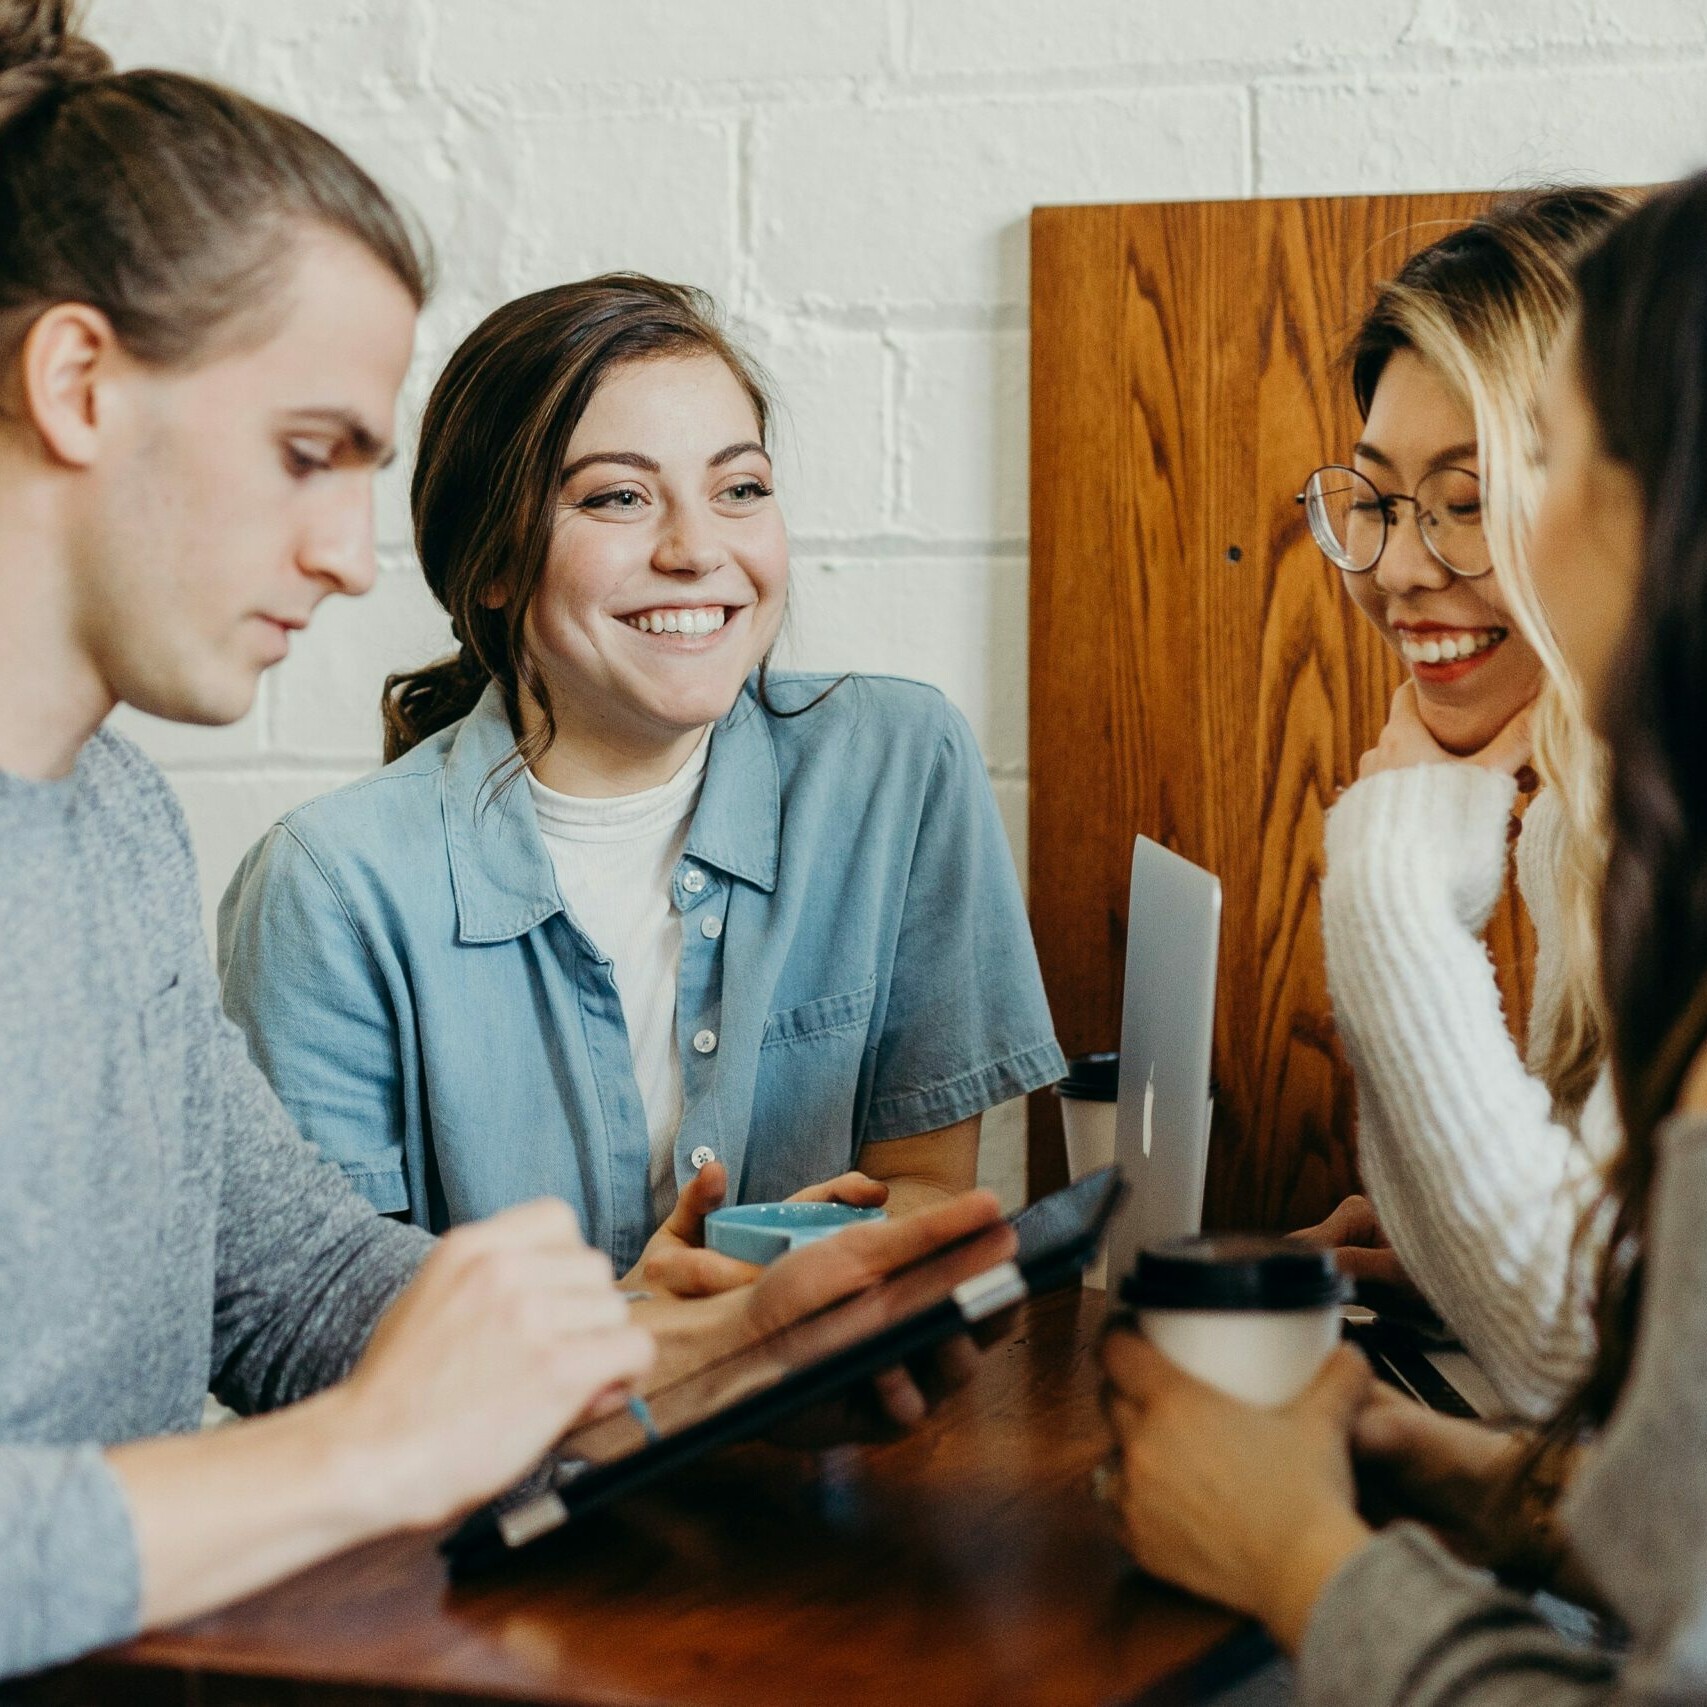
(738, 827)
(501, 871)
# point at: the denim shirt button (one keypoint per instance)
(702, 1154)
(693, 880)
(711, 927)
(704, 1042)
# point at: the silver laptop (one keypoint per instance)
(1161, 1134)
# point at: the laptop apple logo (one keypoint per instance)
(1149, 1105)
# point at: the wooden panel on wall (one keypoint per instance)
(1197, 672)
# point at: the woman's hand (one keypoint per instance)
(696, 1331)
(1253, 1508)
(1446, 1472)
(821, 1273)
(675, 1259)
(1460, 1478)
(1407, 741)
(1353, 1233)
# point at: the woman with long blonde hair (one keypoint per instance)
(1397, 1617)
(1479, 1160)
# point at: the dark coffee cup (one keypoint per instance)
(1254, 1316)
(1091, 1078)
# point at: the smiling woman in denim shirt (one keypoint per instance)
(629, 918)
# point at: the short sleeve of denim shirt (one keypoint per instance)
(967, 1025)
(296, 975)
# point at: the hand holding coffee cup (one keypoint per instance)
(1233, 1376)
(1252, 1505)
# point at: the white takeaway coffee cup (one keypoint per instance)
(1256, 1317)
(1089, 1097)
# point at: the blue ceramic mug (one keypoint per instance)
(762, 1232)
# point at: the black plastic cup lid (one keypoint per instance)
(1234, 1271)
(1092, 1078)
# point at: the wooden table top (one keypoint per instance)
(965, 1566)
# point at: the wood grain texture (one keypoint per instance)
(963, 1566)
(1197, 673)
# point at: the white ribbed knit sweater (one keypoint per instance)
(1478, 1186)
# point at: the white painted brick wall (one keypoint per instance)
(852, 178)
(919, 201)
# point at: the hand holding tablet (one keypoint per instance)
(819, 1324)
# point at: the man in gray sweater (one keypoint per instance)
(206, 311)
(199, 299)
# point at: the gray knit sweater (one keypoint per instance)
(1405, 1623)
(163, 1229)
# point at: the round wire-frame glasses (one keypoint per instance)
(1350, 519)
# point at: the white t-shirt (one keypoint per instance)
(615, 861)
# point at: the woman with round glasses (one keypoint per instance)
(1479, 1161)
(1613, 1509)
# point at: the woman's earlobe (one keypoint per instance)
(494, 597)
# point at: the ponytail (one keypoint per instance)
(419, 703)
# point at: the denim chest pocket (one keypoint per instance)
(811, 1059)
(824, 1017)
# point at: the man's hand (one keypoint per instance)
(830, 1269)
(805, 1281)
(675, 1259)
(512, 1331)
(1467, 1481)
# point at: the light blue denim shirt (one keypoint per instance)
(424, 1002)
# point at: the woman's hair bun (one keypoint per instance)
(42, 55)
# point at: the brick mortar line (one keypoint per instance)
(1494, 59)
(743, 139)
(893, 448)
(899, 45)
(1529, 71)
(1258, 164)
(1253, 140)
(716, 101)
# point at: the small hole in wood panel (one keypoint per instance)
(1234, 554)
